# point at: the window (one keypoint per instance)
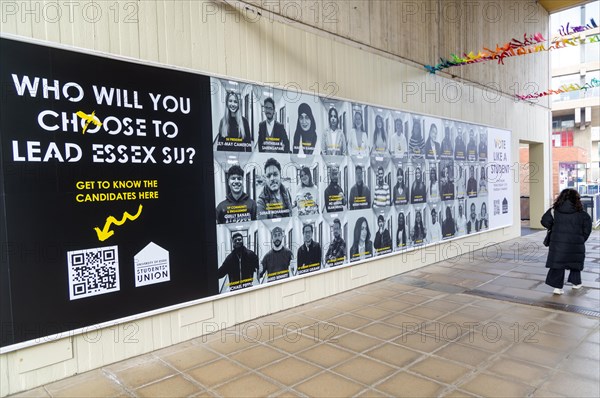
(595, 91)
(566, 138)
(559, 81)
(592, 52)
(562, 139)
(562, 131)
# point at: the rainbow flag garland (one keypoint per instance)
(562, 89)
(531, 44)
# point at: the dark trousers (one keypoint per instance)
(556, 277)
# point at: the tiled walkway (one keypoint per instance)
(478, 325)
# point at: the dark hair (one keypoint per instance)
(433, 126)
(378, 130)
(308, 225)
(403, 217)
(419, 228)
(434, 171)
(306, 171)
(337, 221)
(357, 228)
(401, 128)
(380, 218)
(235, 170)
(571, 195)
(337, 115)
(273, 162)
(416, 128)
(269, 99)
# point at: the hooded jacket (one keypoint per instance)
(231, 210)
(570, 229)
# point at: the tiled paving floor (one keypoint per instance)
(477, 325)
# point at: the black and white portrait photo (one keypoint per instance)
(433, 149)
(473, 224)
(233, 132)
(360, 193)
(307, 195)
(335, 242)
(472, 152)
(276, 257)
(272, 134)
(433, 181)
(448, 220)
(274, 199)
(416, 142)
(382, 193)
(362, 239)
(418, 189)
(484, 218)
(382, 242)
(378, 131)
(483, 189)
(333, 139)
(359, 145)
(460, 146)
(418, 232)
(400, 191)
(447, 188)
(447, 147)
(307, 126)
(402, 233)
(334, 193)
(434, 225)
(239, 265)
(483, 144)
(472, 181)
(399, 137)
(309, 253)
(237, 206)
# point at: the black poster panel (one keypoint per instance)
(107, 190)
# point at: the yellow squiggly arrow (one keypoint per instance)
(89, 119)
(105, 233)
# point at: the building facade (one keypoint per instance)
(576, 114)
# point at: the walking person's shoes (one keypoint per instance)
(576, 286)
(560, 291)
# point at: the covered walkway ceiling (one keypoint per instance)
(553, 6)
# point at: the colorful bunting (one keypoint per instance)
(562, 89)
(531, 44)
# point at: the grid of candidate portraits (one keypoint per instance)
(304, 183)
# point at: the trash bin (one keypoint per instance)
(524, 208)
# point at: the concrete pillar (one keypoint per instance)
(539, 182)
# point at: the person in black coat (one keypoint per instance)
(571, 226)
(241, 265)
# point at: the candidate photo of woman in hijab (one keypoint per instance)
(305, 137)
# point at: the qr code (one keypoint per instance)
(93, 271)
(496, 206)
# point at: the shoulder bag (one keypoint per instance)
(549, 232)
